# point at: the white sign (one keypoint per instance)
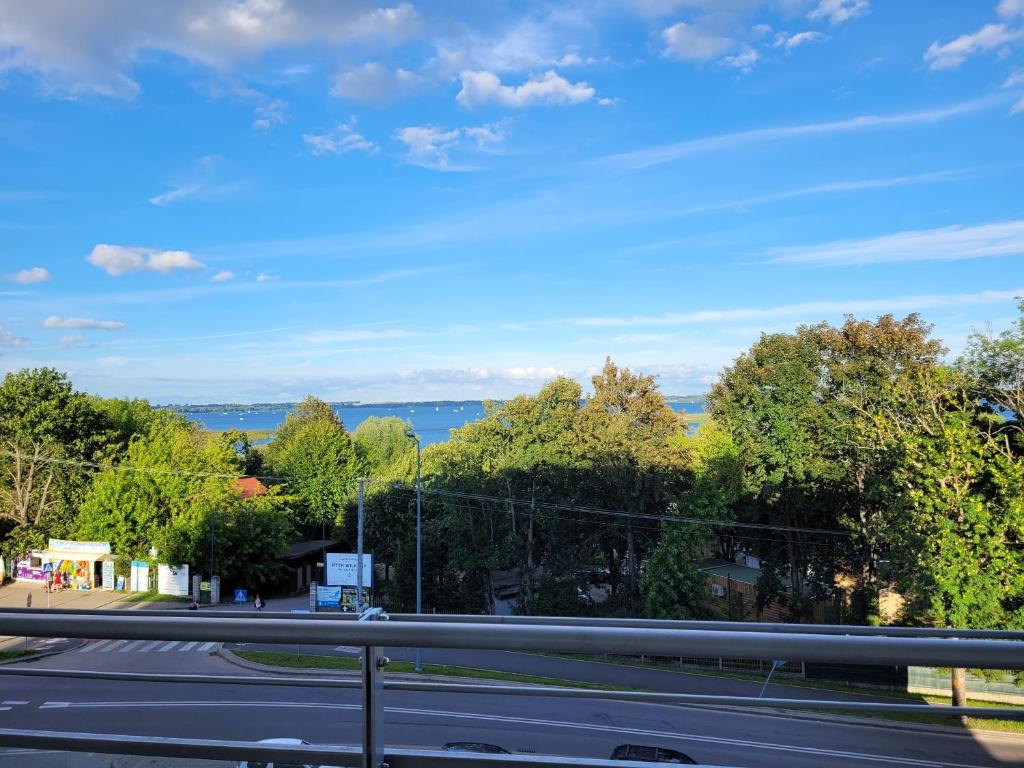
(172, 580)
(63, 545)
(139, 576)
(342, 570)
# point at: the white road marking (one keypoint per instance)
(131, 646)
(12, 701)
(206, 646)
(188, 646)
(348, 649)
(151, 645)
(93, 646)
(114, 646)
(693, 737)
(169, 646)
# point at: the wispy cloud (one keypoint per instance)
(223, 276)
(55, 321)
(350, 335)
(665, 153)
(953, 243)
(810, 310)
(339, 141)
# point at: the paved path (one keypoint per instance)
(583, 727)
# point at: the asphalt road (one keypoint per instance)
(584, 727)
(605, 673)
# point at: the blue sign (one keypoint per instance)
(328, 597)
(241, 596)
(47, 567)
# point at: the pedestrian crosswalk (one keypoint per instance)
(144, 646)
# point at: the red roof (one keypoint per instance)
(249, 487)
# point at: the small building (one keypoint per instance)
(78, 564)
(250, 486)
(303, 558)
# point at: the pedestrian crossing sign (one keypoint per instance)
(241, 596)
(47, 567)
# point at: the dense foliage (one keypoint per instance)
(848, 460)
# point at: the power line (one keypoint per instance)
(140, 470)
(625, 514)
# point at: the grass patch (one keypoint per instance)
(311, 661)
(151, 597)
(1010, 726)
(12, 655)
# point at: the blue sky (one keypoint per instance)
(250, 201)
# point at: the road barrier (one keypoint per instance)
(374, 630)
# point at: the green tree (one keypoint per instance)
(864, 363)
(770, 401)
(316, 455)
(48, 435)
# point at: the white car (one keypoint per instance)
(284, 742)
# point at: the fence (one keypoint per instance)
(373, 631)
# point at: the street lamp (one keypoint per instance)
(419, 537)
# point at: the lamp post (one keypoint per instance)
(419, 538)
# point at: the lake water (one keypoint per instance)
(433, 421)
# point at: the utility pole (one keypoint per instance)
(213, 561)
(359, 552)
(419, 542)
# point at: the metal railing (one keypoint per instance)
(374, 630)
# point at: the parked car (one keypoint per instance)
(474, 746)
(651, 754)
(283, 742)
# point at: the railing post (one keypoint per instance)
(374, 662)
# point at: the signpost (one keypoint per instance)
(241, 596)
(47, 569)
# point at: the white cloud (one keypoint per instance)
(376, 83)
(690, 43)
(809, 310)
(31, 275)
(744, 61)
(1017, 108)
(339, 141)
(84, 323)
(92, 47)
(265, 277)
(645, 158)
(954, 53)
(1010, 8)
(789, 42)
(533, 43)
(223, 276)
(953, 243)
(430, 147)
(9, 339)
(838, 11)
(71, 340)
(1014, 79)
(550, 88)
(119, 260)
(270, 115)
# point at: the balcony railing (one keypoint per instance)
(374, 631)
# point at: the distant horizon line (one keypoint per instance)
(190, 407)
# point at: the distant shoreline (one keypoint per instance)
(265, 407)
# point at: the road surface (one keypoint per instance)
(585, 727)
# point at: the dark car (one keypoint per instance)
(474, 746)
(651, 754)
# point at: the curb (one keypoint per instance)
(43, 654)
(787, 714)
